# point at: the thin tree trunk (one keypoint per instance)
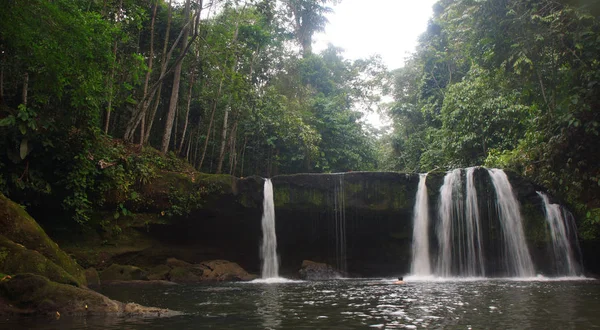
(189, 146)
(150, 65)
(135, 119)
(243, 155)
(210, 123)
(175, 90)
(232, 152)
(110, 90)
(223, 139)
(187, 111)
(111, 78)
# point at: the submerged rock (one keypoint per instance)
(223, 270)
(312, 271)
(30, 294)
(123, 273)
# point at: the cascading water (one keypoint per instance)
(459, 228)
(516, 256)
(340, 225)
(268, 249)
(449, 212)
(558, 221)
(421, 265)
(474, 250)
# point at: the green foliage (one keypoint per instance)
(510, 84)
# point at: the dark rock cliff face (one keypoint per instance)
(360, 221)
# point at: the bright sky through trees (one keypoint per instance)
(386, 27)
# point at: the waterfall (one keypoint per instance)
(516, 254)
(421, 265)
(449, 212)
(340, 225)
(558, 221)
(474, 249)
(268, 250)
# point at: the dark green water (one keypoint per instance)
(353, 304)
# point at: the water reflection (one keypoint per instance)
(357, 304)
(269, 306)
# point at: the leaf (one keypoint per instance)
(22, 128)
(116, 215)
(8, 121)
(24, 149)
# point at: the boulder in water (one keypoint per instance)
(314, 271)
(223, 270)
(29, 294)
(122, 273)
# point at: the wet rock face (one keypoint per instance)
(314, 271)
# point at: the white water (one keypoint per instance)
(516, 254)
(450, 209)
(268, 249)
(559, 230)
(474, 250)
(421, 265)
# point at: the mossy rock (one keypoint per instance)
(185, 275)
(123, 273)
(92, 276)
(18, 226)
(160, 272)
(223, 270)
(34, 294)
(16, 259)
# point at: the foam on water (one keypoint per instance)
(273, 280)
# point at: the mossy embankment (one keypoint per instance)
(39, 278)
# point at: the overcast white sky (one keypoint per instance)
(389, 28)
(386, 27)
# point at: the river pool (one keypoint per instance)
(537, 303)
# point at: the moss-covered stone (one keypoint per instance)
(34, 294)
(16, 259)
(123, 273)
(158, 273)
(17, 226)
(92, 276)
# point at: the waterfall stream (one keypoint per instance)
(560, 230)
(450, 215)
(268, 250)
(516, 255)
(421, 265)
(474, 248)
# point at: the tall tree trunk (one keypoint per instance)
(175, 90)
(223, 139)
(243, 155)
(228, 107)
(110, 89)
(141, 111)
(150, 65)
(112, 76)
(232, 140)
(187, 111)
(210, 123)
